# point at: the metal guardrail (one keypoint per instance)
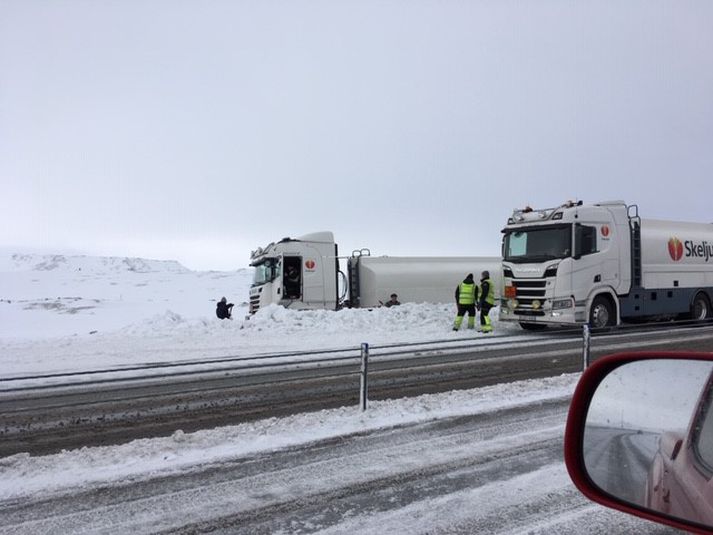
(364, 386)
(586, 346)
(258, 370)
(245, 365)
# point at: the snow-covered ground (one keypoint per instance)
(61, 313)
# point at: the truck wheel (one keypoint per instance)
(533, 326)
(601, 314)
(701, 307)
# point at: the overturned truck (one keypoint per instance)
(305, 273)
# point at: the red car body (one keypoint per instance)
(680, 481)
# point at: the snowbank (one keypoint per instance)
(81, 313)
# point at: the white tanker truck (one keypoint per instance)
(304, 273)
(602, 264)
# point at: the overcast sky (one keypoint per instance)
(199, 130)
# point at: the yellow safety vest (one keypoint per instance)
(466, 294)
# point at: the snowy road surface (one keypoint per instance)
(497, 469)
(619, 460)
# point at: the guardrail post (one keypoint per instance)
(585, 346)
(364, 392)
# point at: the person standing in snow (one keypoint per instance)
(224, 309)
(466, 297)
(487, 301)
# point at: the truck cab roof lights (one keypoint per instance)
(361, 252)
(258, 252)
(530, 214)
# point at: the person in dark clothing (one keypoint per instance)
(487, 301)
(393, 301)
(224, 309)
(292, 283)
(466, 297)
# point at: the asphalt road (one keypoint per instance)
(112, 408)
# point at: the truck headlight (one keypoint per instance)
(512, 304)
(551, 271)
(559, 304)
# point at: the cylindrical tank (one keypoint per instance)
(676, 254)
(420, 279)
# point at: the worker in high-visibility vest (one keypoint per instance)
(487, 301)
(466, 298)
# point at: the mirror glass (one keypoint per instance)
(648, 438)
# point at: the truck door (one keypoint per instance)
(292, 277)
(590, 270)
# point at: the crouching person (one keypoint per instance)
(224, 309)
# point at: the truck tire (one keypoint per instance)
(701, 307)
(533, 326)
(602, 313)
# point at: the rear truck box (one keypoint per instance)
(602, 264)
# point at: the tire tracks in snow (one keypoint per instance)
(316, 485)
(497, 472)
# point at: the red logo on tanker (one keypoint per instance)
(675, 249)
(310, 264)
(605, 231)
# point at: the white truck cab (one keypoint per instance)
(302, 271)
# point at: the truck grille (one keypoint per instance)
(254, 303)
(527, 291)
(530, 287)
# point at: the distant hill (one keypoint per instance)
(42, 295)
(89, 264)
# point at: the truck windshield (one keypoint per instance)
(538, 244)
(265, 271)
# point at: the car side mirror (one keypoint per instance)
(639, 436)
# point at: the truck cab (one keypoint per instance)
(299, 273)
(566, 265)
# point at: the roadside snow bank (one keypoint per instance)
(170, 336)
